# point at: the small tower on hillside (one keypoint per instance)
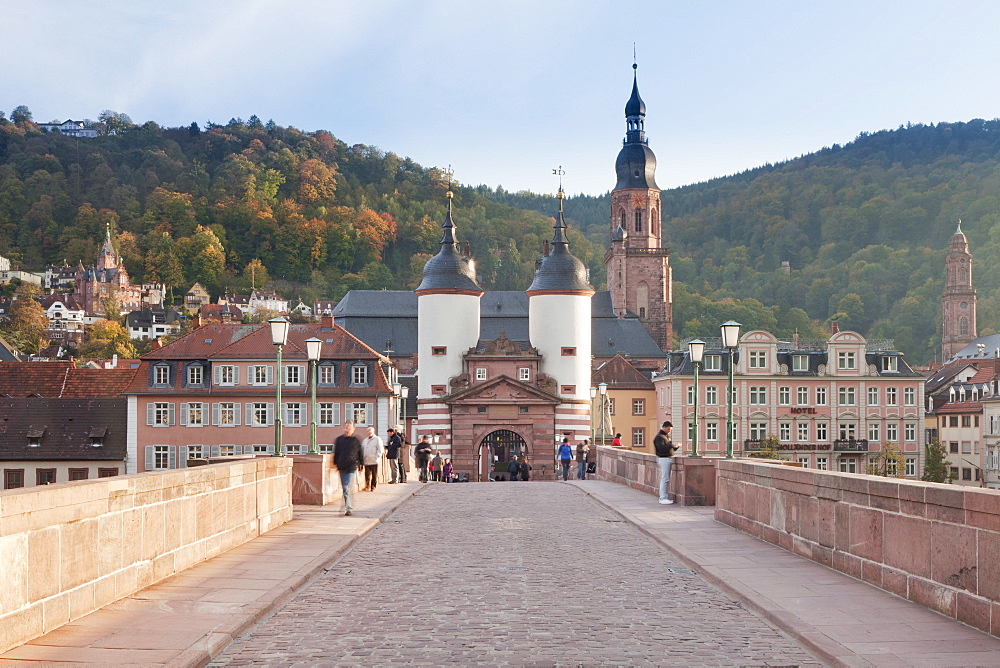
(958, 301)
(448, 325)
(107, 258)
(559, 326)
(639, 275)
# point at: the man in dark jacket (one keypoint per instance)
(348, 459)
(664, 447)
(423, 456)
(392, 454)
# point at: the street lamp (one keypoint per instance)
(279, 337)
(730, 339)
(313, 347)
(602, 389)
(696, 349)
(397, 391)
(593, 395)
(404, 392)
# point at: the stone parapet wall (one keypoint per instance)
(937, 545)
(692, 479)
(71, 548)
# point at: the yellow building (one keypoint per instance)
(629, 405)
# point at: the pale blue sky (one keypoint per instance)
(506, 91)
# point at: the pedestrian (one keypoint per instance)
(436, 466)
(404, 454)
(664, 447)
(372, 448)
(513, 468)
(448, 470)
(565, 456)
(525, 468)
(582, 450)
(616, 442)
(392, 449)
(422, 453)
(348, 459)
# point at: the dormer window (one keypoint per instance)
(890, 364)
(713, 362)
(359, 374)
(34, 441)
(195, 375)
(758, 359)
(161, 374)
(846, 360)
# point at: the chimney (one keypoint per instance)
(196, 321)
(834, 327)
(545, 247)
(327, 321)
(156, 345)
(795, 340)
(114, 361)
(466, 250)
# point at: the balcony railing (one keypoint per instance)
(851, 445)
(753, 444)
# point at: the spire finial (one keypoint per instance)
(959, 230)
(635, 60)
(107, 230)
(560, 173)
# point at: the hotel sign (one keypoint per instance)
(808, 410)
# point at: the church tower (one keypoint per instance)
(638, 266)
(958, 301)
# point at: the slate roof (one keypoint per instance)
(7, 352)
(944, 376)
(619, 374)
(64, 427)
(215, 311)
(69, 301)
(990, 346)
(61, 379)
(144, 318)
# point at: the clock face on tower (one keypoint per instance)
(964, 304)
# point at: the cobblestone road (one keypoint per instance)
(527, 574)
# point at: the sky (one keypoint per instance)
(506, 92)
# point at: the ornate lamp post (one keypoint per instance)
(404, 392)
(696, 349)
(602, 389)
(397, 390)
(730, 339)
(279, 337)
(313, 347)
(593, 395)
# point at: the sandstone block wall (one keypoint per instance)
(937, 545)
(692, 479)
(71, 548)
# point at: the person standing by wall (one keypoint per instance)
(436, 464)
(582, 451)
(565, 456)
(392, 453)
(372, 448)
(513, 468)
(448, 471)
(664, 447)
(348, 459)
(525, 468)
(423, 457)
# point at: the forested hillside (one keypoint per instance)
(864, 228)
(227, 204)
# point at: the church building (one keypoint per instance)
(958, 301)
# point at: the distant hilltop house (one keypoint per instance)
(196, 297)
(7, 274)
(225, 314)
(66, 318)
(70, 128)
(60, 277)
(152, 323)
(93, 286)
(257, 300)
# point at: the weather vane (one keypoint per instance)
(559, 172)
(449, 172)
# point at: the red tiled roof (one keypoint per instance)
(61, 380)
(619, 373)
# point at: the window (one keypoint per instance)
(847, 396)
(295, 415)
(967, 447)
(758, 359)
(439, 350)
(261, 414)
(161, 374)
(966, 420)
(713, 362)
(78, 474)
(359, 413)
(953, 421)
(326, 376)
(226, 375)
(846, 360)
(359, 374)
(611, 406)
(966, 473)
(758, 396)
(711, 431)
(195, 375)
(849, 465)
(784, 396)
(437, 389)
(226, 414)
(107, 473)
(293, 374)
(568, 352)
(193, 414)
(954, 473)
(890, 364)
(690, 395)
(568, 389)
(261, 375)
(758, 431)
(848, 431)
(197, 452)
(821, 432)
(711, 396)
(802, 395)
(953, 447)
(821, 396)
(638, 407)
(638, 437)
(800, 362)
(804, 460)
(480, 374)
(891, 396)
(160, 414)
(873, 396)
(329, 414)
(523, 410)
(803, 432)
(821, 463)
(13, 478)
(784, 431)
(873, 432)
(481, 410)
(638, 220)
(45, 476)
(911, 467)
(524, 373)
(909, 396)
(909, 432)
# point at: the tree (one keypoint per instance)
(20, 113)
(936, 467)
(255, 274)
(768, 449)
(115, 123)
(889, 462)
(26, 326)
(107, 339)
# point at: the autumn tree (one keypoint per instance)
(888, 462)
(25, 327)
(255, 274)
(106, 339)
(936, 466)
(768, 449)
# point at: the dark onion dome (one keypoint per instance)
(450, 271)
(635, 106)
(636, 163)
(559, 272)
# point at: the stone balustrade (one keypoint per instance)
(935, 544)
(70, 548)
(692, 479)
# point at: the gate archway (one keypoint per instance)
(497, 447)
